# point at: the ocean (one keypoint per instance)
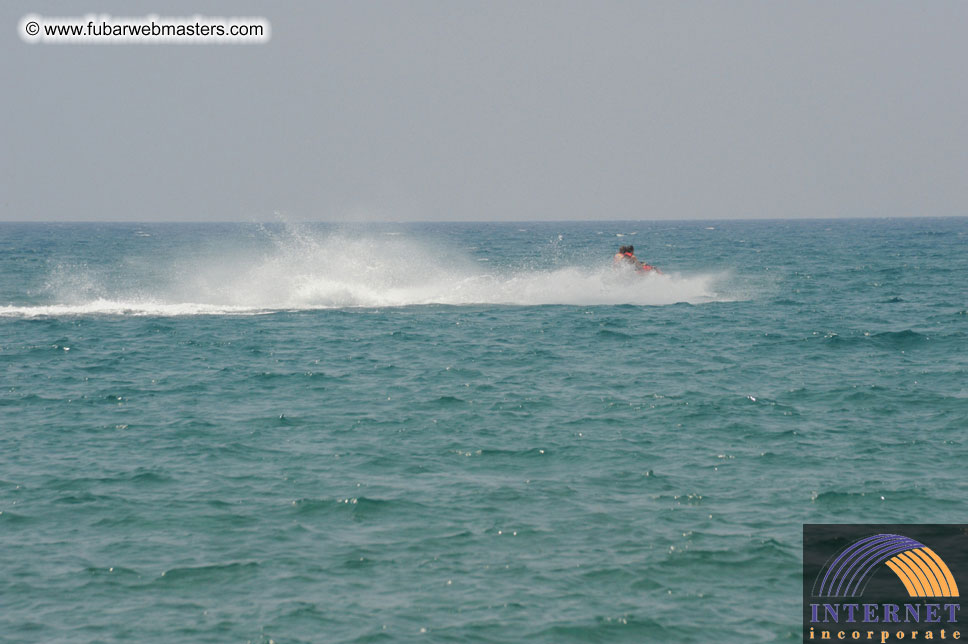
(475, 432)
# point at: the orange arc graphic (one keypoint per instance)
(928, 563)
(919, 589)
(902, 575)
(923, 573)
(928, 581)
(952, 586)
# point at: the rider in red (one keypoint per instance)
(626, 257)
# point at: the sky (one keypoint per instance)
(498, 110)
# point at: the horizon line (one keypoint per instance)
(471, 221)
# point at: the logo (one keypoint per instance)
(883, 583)
(922, 572)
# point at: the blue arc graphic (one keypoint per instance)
(848, 573)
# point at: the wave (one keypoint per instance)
(120, 307)
(305, 272)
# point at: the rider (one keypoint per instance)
(626, 257)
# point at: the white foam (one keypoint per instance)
(115, 307)
(304, 272)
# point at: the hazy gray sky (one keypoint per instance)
(515, 110)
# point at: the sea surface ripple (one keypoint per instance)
(463, 432)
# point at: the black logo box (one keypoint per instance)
(822, 542)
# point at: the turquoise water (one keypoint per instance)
(463, 432)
